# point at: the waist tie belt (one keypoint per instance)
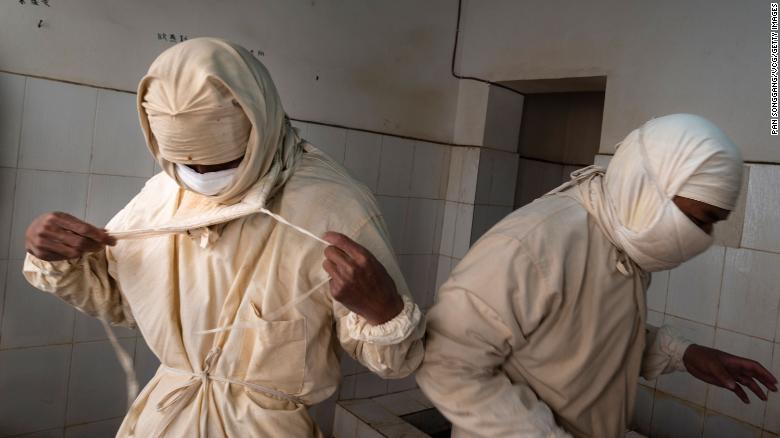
(177, 398)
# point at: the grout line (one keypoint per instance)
(720, 289)
(379, 166)
(21, 125)
(10, 238)
(70, 372)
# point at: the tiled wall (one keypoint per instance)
(80, 150)
(727, 298)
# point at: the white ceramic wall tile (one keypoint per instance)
(34, 384)
(349, 366)
(7, 183)
(750, 296)
(502, 121)
(11, 103)
(656, 294)
(347, 387)
(97, 389)
(462, 236)
(450, 214)
(484, 176)
(51, 433)
(330, 140)
(88, 328)
(655, 318)
(32, 317)
(40, 191)
(57, 126)
(362, 156)
(457, 155)
(725, 401)
(674, 418)
(719, 426)
(534, 179)
(395, 168)
(420, 274)
(369, 385)
(322, 413)
(394, 211)
(468, 176)
(443, 270)
(504, 180)
(471, 114)
(366, 431)
(3, 271)
(397, 385)
(763, 203)
(684, 385)
(429, 171)
(119, 147)
(108, 194)
(400, 403)
(567, 170)
(371, 412)
(602, 160)
(438, 225)
(485, 217)
(729, 232)
(694, 287)
(643, 410)
(772, 415)
(98, 429)
(303, 128)
(420, 226)
(344, 424)
(145, 362)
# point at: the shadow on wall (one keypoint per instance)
(559, 133)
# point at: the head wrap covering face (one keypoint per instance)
(676, 155)
(208, 101)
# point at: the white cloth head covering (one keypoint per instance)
(676, 155)
(209, 101)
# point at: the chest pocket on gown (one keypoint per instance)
(274, 351)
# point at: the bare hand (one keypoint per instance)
(59, 236)
(728, 371)
(359, 281)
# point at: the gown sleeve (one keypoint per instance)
(86, 283)
(664, 350)
(393, 349)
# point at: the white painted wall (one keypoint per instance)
(709, 57)
(382, 66)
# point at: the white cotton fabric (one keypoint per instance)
(229, 290)
(676, 155)
(537, 334)
(392, 331)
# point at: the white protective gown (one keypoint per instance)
(257, 377)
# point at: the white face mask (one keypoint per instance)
(671, 240)
(209, 183)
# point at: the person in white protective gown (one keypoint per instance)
(221, 263)
(540, 331)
